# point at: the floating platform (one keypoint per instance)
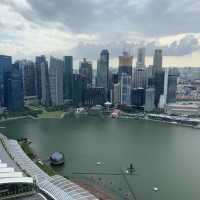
(57, 158)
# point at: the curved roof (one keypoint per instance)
(9, 176)
(26, 180)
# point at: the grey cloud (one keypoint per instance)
(183, 47)
(147, 17)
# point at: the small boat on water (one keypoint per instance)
(155, 189)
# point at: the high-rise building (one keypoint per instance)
(45, 85)
(139, 78)
(15, 89)
(94, 96)
(103, 71)
(5, 67)
(157, 61)
(28, 74)
(141, 58)
(56, 81)
(170, 86)
(125, 64)
(116, 94)
(149, 75)
(42, 80)
(138, 97)
(38, 62)
(125, 89)
(85, 71)
(68, 77)
(159, 86)
(149, 100)
(77, 89)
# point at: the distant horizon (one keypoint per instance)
(113, 61)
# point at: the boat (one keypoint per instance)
(155, 189)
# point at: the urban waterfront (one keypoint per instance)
(165, 156)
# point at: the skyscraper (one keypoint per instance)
(85, 71)
(116, 94)
(42, 80)
(149, 100)
(159, 86)
(15, 89)
(77, 90)
(125, 64)
(141, 58)
(125, 89)
(138, 97)
(139, 78)
(39, 60)
(170, 86)
(68, 77)
(45, 85)
(28, 73)
(103, 71)
(157, 61)
(56, 81)
(5, 67)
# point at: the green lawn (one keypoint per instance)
(54, 114)
(46, 168)
(28, 150)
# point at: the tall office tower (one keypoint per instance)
(149, 100)
(15, 89)
(139, 78)
(38, 62)
(85, 71)
(149, 75)
(157, 61)
(159, 86)
(170, 86)
(103, 71)
(68, 77)
(56, 81)
(28, 74)
(138, 97)
(116, 94)
(5, 67)
(77, 90)
(125, 89)
(125, 64)
(141, 58)
(45, 85)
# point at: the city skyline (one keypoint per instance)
(32, 27)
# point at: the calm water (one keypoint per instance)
(165, 156)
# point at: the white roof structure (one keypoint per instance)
(9, 176)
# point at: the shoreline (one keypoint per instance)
(54, 115)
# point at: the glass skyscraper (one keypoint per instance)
(15, 89)
(5, 67)
(67, 77)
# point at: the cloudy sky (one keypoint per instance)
(83, 27)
